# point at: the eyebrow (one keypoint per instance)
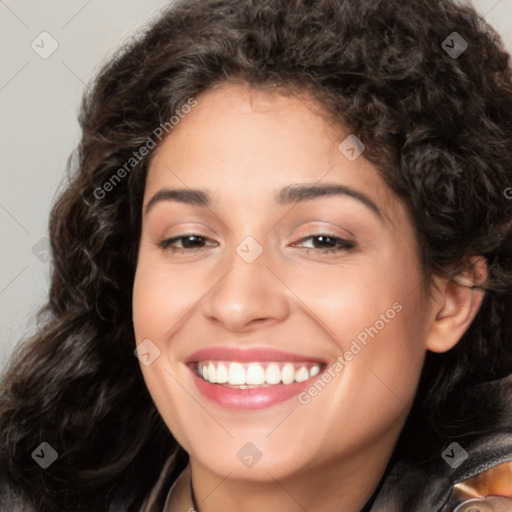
(291, 194)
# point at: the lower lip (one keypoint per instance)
(254, 398)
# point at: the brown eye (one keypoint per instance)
(328, 243)
(189, 243)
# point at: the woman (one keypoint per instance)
(295, 215)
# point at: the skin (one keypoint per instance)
(242, 146)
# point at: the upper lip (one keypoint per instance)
(252, 354)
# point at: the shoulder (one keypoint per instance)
(485, 484)
(476, 477)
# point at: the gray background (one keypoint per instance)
(39, 100)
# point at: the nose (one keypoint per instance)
(248, 295)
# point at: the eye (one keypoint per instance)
(328, 243)
(193, 242)
(189, 243)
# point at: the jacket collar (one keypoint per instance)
(180, 497)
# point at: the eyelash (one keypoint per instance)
(342, 244)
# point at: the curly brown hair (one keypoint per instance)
(438, 129)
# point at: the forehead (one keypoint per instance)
(238, 140)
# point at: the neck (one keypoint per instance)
(335, 485)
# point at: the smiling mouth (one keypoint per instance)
(248, 375)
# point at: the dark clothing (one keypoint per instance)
(473, 486)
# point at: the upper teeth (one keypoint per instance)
(256, 374)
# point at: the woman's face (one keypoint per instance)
(309, 304)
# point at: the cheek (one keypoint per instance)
(375, 315)
(161, 298)
(159, 302)
(386, 351)
(352, 299)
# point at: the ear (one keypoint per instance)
(455, 303)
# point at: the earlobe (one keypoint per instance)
(455, 303)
